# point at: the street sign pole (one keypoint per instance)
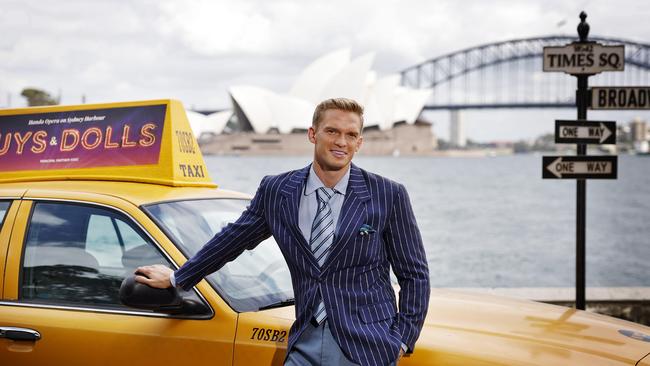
(581, 191)
(581, 184)
(583, 59)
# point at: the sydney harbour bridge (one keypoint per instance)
(509, 74)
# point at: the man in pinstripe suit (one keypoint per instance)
(340, 229)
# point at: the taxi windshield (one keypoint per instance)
(257, 279)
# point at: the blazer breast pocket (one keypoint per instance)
(368, 248)
(377, 312)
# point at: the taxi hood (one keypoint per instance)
(487, 329)
(476, 329)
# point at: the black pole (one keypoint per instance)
(581, 184)
(581, 200)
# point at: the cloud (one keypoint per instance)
(215, 28)
(194, 50)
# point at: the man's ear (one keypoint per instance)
(312, 135)
(359, 143)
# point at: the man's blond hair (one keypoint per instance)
(343, 104)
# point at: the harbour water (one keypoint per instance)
(493, 222)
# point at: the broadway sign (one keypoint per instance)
(620, 97)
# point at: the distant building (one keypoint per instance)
(263, 111)
(639, 132)
(401, 140)
(457, 131)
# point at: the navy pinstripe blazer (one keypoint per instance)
(354, 280)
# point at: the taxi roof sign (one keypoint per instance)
(145, 141)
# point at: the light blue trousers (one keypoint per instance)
(315, 347)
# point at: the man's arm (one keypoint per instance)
(249, 230)
(407, 257)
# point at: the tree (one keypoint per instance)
(36, 97)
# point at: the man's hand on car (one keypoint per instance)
(155, 275)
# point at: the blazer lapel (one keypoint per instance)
(291, 192)
(353, 214)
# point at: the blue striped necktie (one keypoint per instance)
(322, 236)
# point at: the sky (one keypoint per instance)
(193, 51)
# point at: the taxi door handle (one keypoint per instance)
(19, 334)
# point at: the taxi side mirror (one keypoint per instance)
(169, 301)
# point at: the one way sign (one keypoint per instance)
(579, 167)
(584, 132)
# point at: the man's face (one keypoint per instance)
(337, 138)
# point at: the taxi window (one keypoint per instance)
(79, 254)
(4, 206)
(257, 279)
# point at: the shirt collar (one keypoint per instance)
(313, 182)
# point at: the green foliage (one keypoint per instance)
(36, 97)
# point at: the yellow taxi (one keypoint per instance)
(88, 193)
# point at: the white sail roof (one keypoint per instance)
(349, 82)
(217, 121)
(330, 76)
(313, 79)
(212, 123)
(254, 103)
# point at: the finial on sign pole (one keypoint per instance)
(583, 27)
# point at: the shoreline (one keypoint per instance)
(460, 153)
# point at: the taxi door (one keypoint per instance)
(59, 303)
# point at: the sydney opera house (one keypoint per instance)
(264, 121)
